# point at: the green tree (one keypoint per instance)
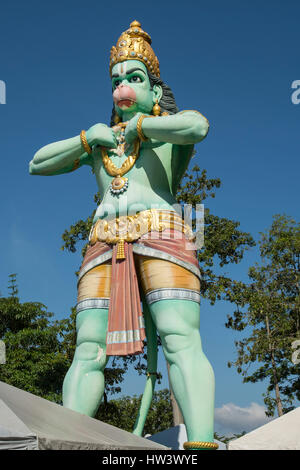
(36, 355)
(224, 242)
(226, 439)
(268, 310)
(122, 412)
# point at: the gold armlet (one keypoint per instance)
(84, 142)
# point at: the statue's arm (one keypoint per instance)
(59, 157)
(68, 155)
(183, 128)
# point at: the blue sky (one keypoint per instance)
(233, 61)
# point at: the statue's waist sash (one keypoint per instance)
(167, 237)
(131, 228)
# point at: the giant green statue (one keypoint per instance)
(140, 249)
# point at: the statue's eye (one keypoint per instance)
(117, 83)
(135, 79)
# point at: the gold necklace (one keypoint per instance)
(120, 184)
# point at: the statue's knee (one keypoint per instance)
(177, 343)
(180, 317)
(173, 343)
(91, 351)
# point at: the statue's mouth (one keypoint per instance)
(125, 103)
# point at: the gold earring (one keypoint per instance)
(117, 119)
(156, 109)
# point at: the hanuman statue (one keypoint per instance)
(140, 249)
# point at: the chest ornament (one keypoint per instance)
(119, 183)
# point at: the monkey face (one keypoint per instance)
(132, 92)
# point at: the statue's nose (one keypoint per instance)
(124, 92)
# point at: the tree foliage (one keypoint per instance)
(268, 310)
(37, 357)
(122, 412)
(227, 439)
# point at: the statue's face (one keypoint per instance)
(131, 89)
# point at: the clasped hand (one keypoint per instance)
(104, 136)
(101, 135)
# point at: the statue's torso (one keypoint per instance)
(152, 182)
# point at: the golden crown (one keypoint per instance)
(134, 44)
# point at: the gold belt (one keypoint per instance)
(129, 228)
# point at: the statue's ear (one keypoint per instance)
(157, 93)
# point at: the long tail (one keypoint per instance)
(151, 372)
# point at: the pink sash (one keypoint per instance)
(126, 332)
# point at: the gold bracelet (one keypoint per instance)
(84, 142)
(200, 445)
(141, 135)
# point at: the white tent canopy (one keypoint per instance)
(14, 434)
(26, 419)
(279, 434)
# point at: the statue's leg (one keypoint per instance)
(191, 374)
(83, 386)
(84, 383)
(178, 321)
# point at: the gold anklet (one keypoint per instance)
(200, 445)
